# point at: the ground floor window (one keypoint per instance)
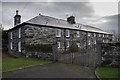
(68, 44)
(58, 44)
(19, 46)
(78, 44)
(89, 42)
(11, 45)
(95, 42)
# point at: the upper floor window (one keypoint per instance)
(78, 44)
(58, 44)
(89, 34)
(78, 34)
(68, 44)
(103, 35)
(19, 33)
(19, 46)
(11, 45)
(94, 34)
(11, 35)
(99, 35)
(106, 35)
(67, 33)
(58, 33)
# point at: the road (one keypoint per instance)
(54, 70)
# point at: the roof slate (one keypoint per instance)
(54, 22)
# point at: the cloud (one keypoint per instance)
(107, 23)
(29, 10)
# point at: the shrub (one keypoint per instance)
(74, 48)
(39, 48)
(106, 62)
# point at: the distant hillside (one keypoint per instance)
(111, 25)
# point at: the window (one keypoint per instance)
(89, 34)
(99, 35)
(107, 40)
(78, 44)
(58, 33)
(94, 34)
(11, 45)
(89, 42)
(78, 33)
(19, 33)
(68, 44)
(67, 33)
(103, 41)
(19, 46)
(11, 35)
(58, 44)
(103, 35)
(106, 35)
(95, 42)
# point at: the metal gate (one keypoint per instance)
(82, 57)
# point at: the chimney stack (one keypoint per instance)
(71, 19)
(17, 18)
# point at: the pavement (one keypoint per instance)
(54, 70)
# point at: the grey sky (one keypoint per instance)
(85, 12)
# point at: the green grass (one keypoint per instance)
(22, 63)
(105, 72)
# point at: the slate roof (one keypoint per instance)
(54, 22)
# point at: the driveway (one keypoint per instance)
(54, 70)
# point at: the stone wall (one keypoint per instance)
(110, 54)
(15, 39)
(31, 34)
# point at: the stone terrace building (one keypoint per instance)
(44, 29)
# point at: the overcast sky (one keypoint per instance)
(88, 12)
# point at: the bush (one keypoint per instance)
(39, 48)
(106, 62)
(74, 48)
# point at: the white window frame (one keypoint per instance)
(88, 42)
(103, 40)
(11, 35)
(58, 33)
(78, 44)
(106, 35)
(95, 42)
(103, 35)
(11, 45)
(89, 34)
(19, 46)
(107, 40)
(94, 34)
(58, 43)
(78, 33)
(68, 44)
(19, 33)
(67, 33)
(99, 35)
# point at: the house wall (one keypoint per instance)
(41, 35)
(15, 39)
(46, 35)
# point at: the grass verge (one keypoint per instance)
(18, 63)
(105, 72)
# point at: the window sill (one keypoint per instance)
(58, 36)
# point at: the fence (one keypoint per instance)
(82, 56)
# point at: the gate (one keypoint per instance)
(82, 57)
